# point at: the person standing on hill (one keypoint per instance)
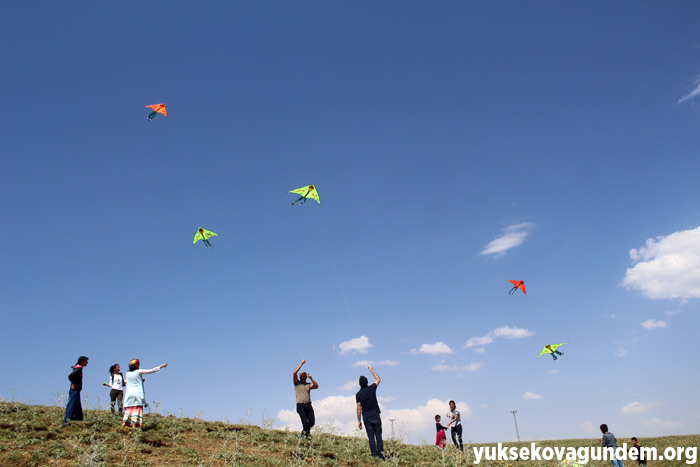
(456, 422)
(609, 441)
(74, 408)
(135, 396)
(441, 436)
(636, 449)
(368, 410)
(303, 393)
(116, 385)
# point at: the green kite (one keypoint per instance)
(552, 349)
(305, 192)
(204, 235)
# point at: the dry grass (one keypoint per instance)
(32, 435)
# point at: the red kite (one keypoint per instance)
(517, 285)
(157, 109)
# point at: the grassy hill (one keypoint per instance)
(32, 435)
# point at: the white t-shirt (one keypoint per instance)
(116, 382)
(452, 414)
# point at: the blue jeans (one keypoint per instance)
(74, 409)
(373, 426)
(618, 463)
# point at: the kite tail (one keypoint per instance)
(152, 115)
(300, 199)
(512, 290)
(206, 242)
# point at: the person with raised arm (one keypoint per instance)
(368, 410)
(135, 398)
(303, 394)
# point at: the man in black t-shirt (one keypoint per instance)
(368, 410)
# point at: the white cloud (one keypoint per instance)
(667, 267)
(363, 363)
(480, 350)
(652, 323)
(433, 349)
(388, 363)
(338, 413)
(422, 418)
(655, 422)
(673, 312)
(350, 386)
(512, 236)
(638, 407)
(621, 351)
(366, 363)
(478, 341)
(512, 333)
(359, 344)
(694, 93)
(589, 427)
(505, 332)
(532, 396)
(471, 367)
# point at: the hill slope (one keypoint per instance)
(32, 435)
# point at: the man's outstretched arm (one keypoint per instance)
(296, 378)
(377, 379)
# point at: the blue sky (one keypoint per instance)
(455, 146)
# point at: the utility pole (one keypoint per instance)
(516, 424)
(392, 427)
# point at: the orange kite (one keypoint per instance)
(517, 285)
(157, 109)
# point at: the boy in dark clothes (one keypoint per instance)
(636, 449)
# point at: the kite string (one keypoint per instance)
(192, 166)
(262, 289)
(335, 269)
(240, 251)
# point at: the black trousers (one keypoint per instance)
(114, 396)
(308, 419)
(456, 433)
